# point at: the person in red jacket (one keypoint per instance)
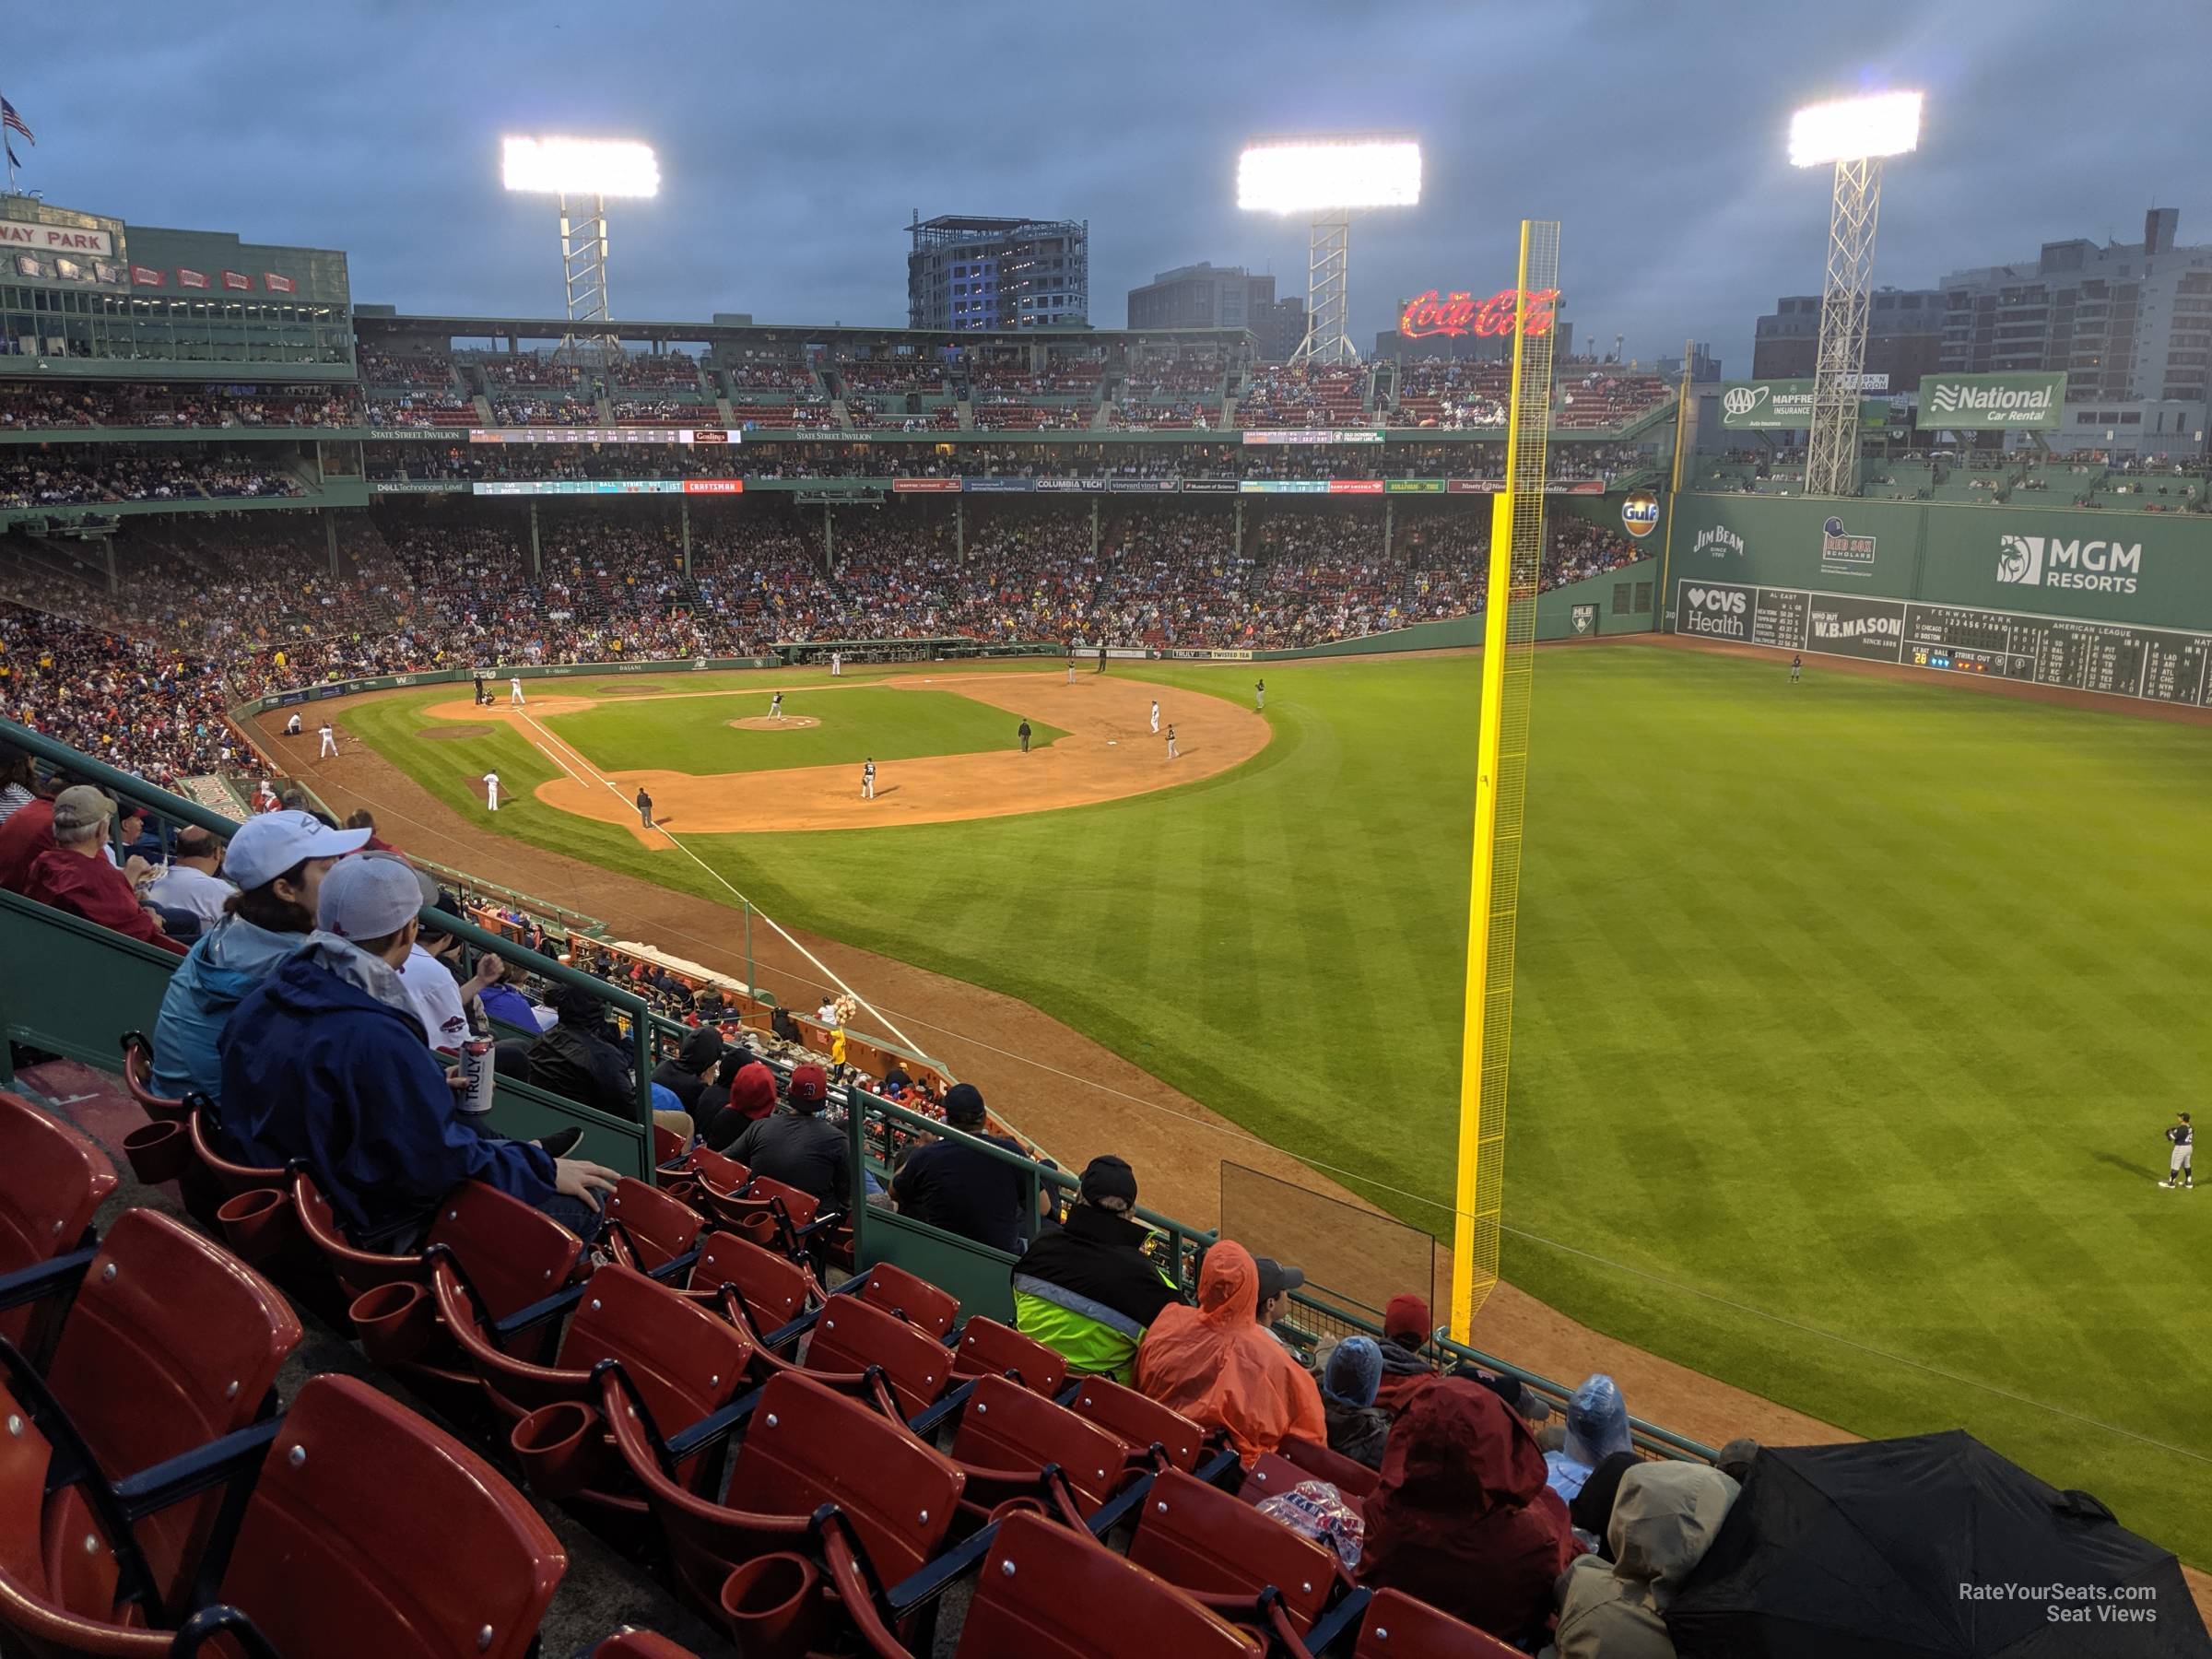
(27, 832)
(74, 874)
(1463, 1518)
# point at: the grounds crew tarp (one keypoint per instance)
(1934, 1546)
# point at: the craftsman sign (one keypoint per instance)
(1461, 313)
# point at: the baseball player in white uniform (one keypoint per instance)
(491, 790)
(837, 665)
(868, 780)
(330, 741)
(514, 692)
(1156, 717)
(291, 726)
(2177, 1173)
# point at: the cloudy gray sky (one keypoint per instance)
(795, 140)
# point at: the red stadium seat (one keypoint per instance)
(988, 1348)
(914, 1299)
(647, 1228)
(1140, 1424)
(1399, 1626)
(1355, 1480)
(170, 1343)
(852, 1336)
(804, 1445)
(138, 1077)
(685, 1361)
(51, 1178)
(515, 1256)
(1049, 1592)
(372, 1533)
(1008, 1436)
(1208, 1543)
(773, 1289)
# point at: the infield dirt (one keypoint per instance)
(1108, 752)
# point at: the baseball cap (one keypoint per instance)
(964, 1103)
(1110, 1178)
(810, 1085)
(267, 846)
(1276, 1279)
(78, 807)
(753, 1091)
(368, 899)
(1405, 1314)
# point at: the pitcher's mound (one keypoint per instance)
(761, 723)
(450, 734)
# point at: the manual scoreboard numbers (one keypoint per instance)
(2160, 664)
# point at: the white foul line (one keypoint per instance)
(781, 931)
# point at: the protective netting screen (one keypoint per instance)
(1356, 1255)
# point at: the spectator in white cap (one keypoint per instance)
(324, 1060)
(278, 861)
(74, 874)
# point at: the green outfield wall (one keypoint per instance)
(2118, 602)
(2152, 570)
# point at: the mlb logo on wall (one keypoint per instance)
(1640, 513)
(1844, 554)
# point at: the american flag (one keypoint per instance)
(14, 123)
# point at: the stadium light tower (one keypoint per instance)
(1854, 134)
(581, 174)
(1330, 177)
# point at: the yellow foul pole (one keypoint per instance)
(1502, 768)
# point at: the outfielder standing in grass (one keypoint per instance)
(1259, 697)
(1796, 669)
(2177, 1173)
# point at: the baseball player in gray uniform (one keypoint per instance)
(868, 780)
(2177, 1173)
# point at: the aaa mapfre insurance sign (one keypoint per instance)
(1462, 313)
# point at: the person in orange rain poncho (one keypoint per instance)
(1214, 1363)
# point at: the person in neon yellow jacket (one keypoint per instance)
(1086, 1289)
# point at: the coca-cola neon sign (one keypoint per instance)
(1462, 313)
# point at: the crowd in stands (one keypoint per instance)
(890, 374)
(81, 476)
(678, 371)
(749, 373)
(154, 712)
(1329, 397)
(28, 406)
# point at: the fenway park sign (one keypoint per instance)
(1462, 313)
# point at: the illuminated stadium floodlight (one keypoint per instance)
(581, 174)
(1854, 135)
(1329, 177)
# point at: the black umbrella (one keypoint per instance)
(1934, 1545)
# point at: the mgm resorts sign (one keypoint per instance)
(2050, 561)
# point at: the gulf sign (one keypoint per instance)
(1640, 513)
(1460, 313)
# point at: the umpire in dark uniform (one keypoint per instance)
(1024, 735)
(644, 808)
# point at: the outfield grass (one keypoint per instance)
(1848, 1014)
(692, 733)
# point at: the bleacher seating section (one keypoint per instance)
(885, 1449)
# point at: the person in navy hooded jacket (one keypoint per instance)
(326, 1060)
